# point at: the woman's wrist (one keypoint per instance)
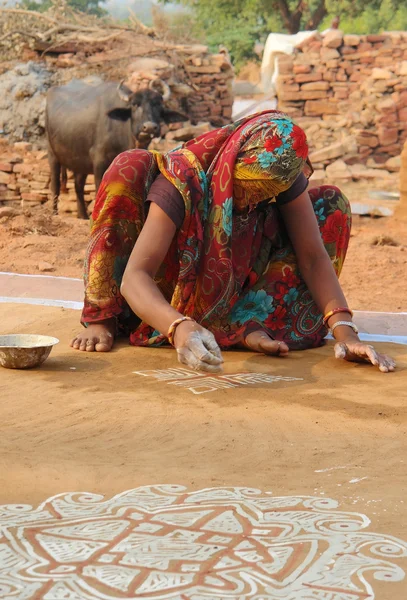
(344, 333)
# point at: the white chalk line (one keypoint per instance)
(365, 337)
(43, 302)
(41, 276)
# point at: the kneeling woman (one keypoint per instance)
(219, 244)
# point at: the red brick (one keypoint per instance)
(302, 69)
(387, 135)
(7, 167)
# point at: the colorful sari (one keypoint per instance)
(231, 265)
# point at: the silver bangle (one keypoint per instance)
(348, 323)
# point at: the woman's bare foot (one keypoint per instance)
(259, 341)
(97, 337)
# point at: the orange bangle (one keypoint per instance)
(335, 311)
(173, 327)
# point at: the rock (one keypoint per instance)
(361, 172)
(393, 164)
(367, 138)
(45, 267)
(403, 68)
(312, 95)
(338, 170)
(378, 73)
(333, 39)
(184, 134)
(5, 177)
(24, 146)
(315, 85)
(317, 178)
(333, 151)
(329, 54)
(387, 135)
(6, 167)
(301, 69)
(351, 40)
(320, 107)
(384, 240)
(375, 38)
(305, 77)
(8, 211)
(387, 105)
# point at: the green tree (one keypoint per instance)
(91, 7)
(238, 24)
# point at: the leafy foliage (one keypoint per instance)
(91, 7)
(239, 24)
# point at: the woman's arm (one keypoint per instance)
(196, 346)
(319, 275)
(314, 263)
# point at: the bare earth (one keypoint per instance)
(373, 277)
(86, 422)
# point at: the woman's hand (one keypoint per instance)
(360, 352)
(259, 341)
(197, 348)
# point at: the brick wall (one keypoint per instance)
(353, 83)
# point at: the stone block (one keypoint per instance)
(378, 73)
(403, 68)
(333, 39)
(329, 54)
(393, 164)
(345, 50)
(320, 107)
(375, 38)
(329, 153)
(297, 69)
(387, 105)
(338, 170)
(367, 138)
(24, 146)
(341, 75)
(351, 40)
(315, 85)
(306, 77)
(329, 75)
(6, 178)
(313, 95)
(6, 167)
(387, 135)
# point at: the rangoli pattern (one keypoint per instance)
(163, 542)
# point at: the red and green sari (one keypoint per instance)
(231, 266)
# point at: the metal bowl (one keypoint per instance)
(22, 351)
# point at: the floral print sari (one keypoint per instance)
(231, 266)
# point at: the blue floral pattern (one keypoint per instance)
(266, 159)
(227, 218)
(255, 305)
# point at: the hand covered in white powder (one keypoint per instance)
(197, 348)
(360, 352)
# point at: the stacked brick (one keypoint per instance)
(200, 83)
(25, 177)
(362, 79)
(211, 77)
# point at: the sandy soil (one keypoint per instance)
(372, 278)
(86, 422)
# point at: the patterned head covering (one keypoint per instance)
(261, 156)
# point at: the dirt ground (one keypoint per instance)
(372, 278)
(86, 422)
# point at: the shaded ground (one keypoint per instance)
(86, 422)
(372, 278)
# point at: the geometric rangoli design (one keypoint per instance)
(163, 542)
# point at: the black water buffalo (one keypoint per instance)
(87, 126)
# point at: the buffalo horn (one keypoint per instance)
(123, 94)
(160, 86)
